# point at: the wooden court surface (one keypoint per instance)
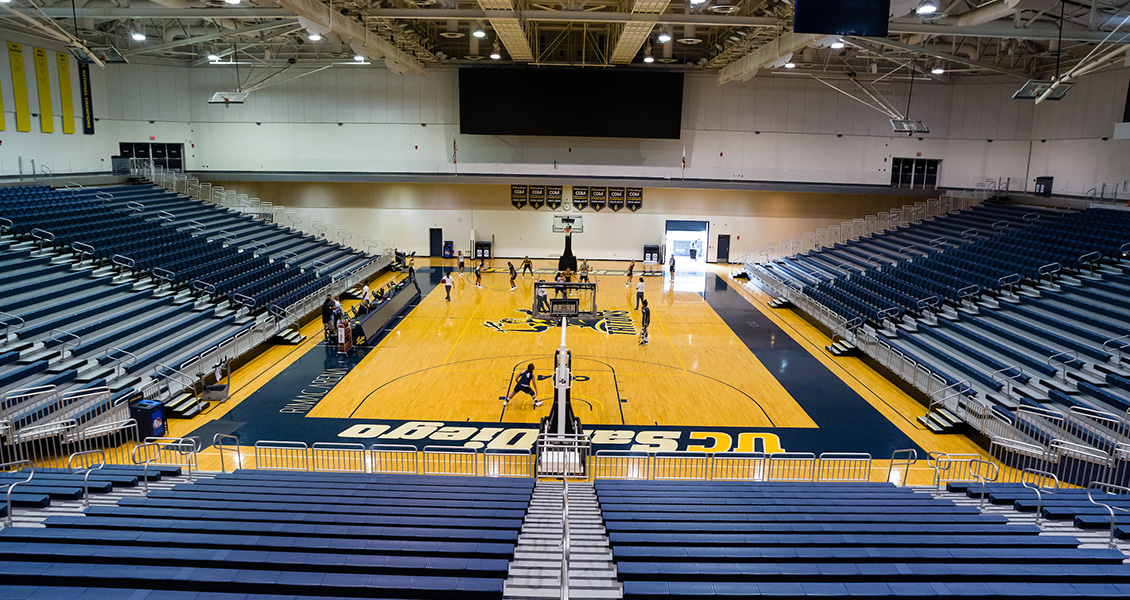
(452, 361)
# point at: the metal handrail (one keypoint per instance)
(103, 196)
(123, 261)
(564, 538)
(135, 206)
(1118, 349)
(1071, 353)
(1006, 379)
(911, 457)
(1036, 487)
(56, 335)
(71, 184)
(203, 286)
(5, 223)
(248, 300)
(970, 233)
(165, 274)
(7, 325)
(86, 469)
(112, 351)
(166, 215)
(43, 236)
(218, 442)
(78, 247)
(975, 467)
(1000, 226)
(12, 485)
(939, 242)
(1107, 489)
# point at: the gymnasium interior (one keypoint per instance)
(499, 299)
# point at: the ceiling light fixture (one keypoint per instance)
(497, 52)
(231, 1)
(314, 37)
(478, 31)
(137, 36)
(790, 65)
(927, 7)
(359, 58)
(647, 57)
(937, 70)
(838, 45)
(664, 37)
(213, 57)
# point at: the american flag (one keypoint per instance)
(454, 152)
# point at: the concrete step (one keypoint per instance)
(520, 593)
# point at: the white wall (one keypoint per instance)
(365, 119)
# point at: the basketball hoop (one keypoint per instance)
(569, 230)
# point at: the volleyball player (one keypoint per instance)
(631, 267)
(527, 266)
(513, 275)
(460, 262)
(525, 384)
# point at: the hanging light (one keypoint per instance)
(927, 7)
(647, 57)
(314, 36)
(838, 45)
(213, 57)
(790, 65)
(938, 70)
(358, 58)
(138, 36)
(497, 52)
(478, 31)
(231, 1)
(664, 36)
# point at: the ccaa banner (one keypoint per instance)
(581, 196)
(616, 198)
(553, 196)
(537, 196)
(598, 196)
(635, 199)
(86, 98)
(518, 196)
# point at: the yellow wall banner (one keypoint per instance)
(43, 89)
(65, 93)
(3, 125)
(19, 86)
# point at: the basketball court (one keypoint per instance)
(722, 372)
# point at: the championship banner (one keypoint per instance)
(635, 199)
(518, 196)
(86, 98)
(581, 196)
(66, 95)
(3, 123)
(537, 196)
(597, 197)
(19, 86)
(43, 90)
(616, 198)
(553, 196)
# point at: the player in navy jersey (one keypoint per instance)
(526, 383)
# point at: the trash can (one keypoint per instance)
(448, 249)
(150, 418)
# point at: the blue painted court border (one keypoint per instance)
(845, 421)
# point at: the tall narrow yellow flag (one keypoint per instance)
(19, 86)
(43, 89)
(66, 95)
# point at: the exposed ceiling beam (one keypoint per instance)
(160, 12)
(503, 18)
(375, 46)
(209, 37)
(989, 30)
(747, 66)
(961, 60)
(635, 33)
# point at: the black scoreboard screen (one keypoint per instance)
(562, 102)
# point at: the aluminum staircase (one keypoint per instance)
(536, 569)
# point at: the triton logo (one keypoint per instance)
(612, 322)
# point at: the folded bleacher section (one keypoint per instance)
(1021, 308)
(231, 256)
(51, 486)
(258, 534)
(694, 540)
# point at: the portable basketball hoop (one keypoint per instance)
(554, 300)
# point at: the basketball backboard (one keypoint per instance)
(563, 222)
